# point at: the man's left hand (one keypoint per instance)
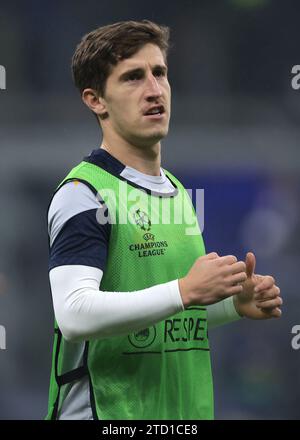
(260, 298)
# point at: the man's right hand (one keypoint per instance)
(212, 279)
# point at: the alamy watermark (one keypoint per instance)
(295, 342)
(133, 205)
(2, 78)
(296, 79)
(2, 338)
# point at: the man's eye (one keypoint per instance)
(159, 73)
(134, 77)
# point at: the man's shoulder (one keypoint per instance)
(75, 235)
(70, 199)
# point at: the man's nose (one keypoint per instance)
(153, 90)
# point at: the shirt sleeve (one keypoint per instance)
(84, 312)
(222, 313)
(75, 235)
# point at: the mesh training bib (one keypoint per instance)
(159, 372)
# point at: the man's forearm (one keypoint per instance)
(83, 312)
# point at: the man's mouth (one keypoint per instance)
(156, 111)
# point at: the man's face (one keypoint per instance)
(137, 97)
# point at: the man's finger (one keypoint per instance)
(266, 283)
(264, 295)
(236, 278)
(273, 303)
(234, 290)
(276, 313)
(250, 264)
(210, 256)
(227, 259)
(273, 313)
(237, 267)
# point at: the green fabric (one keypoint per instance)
(162, 372)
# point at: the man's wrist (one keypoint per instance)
(183, 289)
(237, 306)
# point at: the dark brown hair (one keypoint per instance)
(103, 48)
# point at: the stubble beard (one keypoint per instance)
(145, 141)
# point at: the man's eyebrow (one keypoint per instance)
(161, 67)
(129, 72)
(141, 70)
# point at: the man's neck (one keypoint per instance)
(144, 160)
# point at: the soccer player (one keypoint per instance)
(134, 294)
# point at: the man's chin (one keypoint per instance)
(156, 136)
(148, 138)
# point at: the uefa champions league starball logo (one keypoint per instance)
(142, 219)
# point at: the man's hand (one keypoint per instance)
(260, 298)
(211, 279)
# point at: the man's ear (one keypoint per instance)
(95, 102)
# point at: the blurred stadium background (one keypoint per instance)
(234, 132)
